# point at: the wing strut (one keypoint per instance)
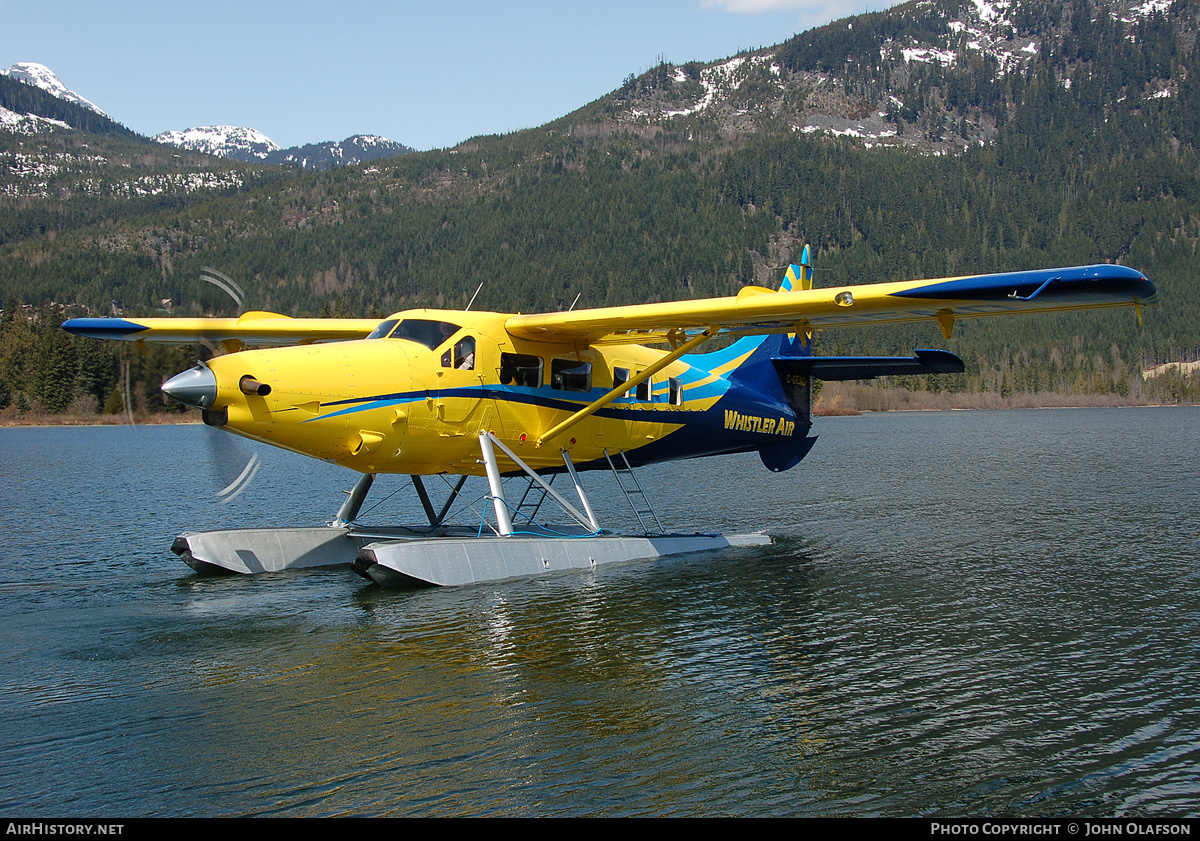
(624, 387)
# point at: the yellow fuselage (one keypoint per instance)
(396, 405)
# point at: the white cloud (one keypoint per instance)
(806, 14)
(755, 6)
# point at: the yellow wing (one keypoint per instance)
(252, 328)
(757, 310)
(754, 310)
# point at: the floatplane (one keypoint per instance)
(496, 395)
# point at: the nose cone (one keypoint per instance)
(194, 387)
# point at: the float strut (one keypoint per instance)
(503, 519)
(349, 509)
(587, 506)
(435, 520)
(586, 522)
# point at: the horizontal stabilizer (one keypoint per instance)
(869, 367)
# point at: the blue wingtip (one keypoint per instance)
(102, 328)
(1085, 284)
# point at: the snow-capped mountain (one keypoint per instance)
(868, 77)
(893, 78)
(242, 144)
(41, 76)
(247, 144)
(26, 123)
(352, 150)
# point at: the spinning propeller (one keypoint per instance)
(225, 284)
(234, 465)
(234, 468)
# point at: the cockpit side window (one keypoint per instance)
(426, 332)
(462, 356)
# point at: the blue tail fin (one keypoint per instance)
(756, 370)
(798, 278)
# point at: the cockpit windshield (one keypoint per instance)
(383, 329)
(428, 333)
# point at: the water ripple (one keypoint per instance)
(961, 614)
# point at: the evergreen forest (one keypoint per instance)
(1085, 160)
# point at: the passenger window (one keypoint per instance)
(620, 377)
(569, 375)
(675, 391)
(642, 391)
(520, 369)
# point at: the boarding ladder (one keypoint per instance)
(532, 500)
(634, 495)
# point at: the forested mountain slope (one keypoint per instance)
(931, 139)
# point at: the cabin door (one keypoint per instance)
(459, 384)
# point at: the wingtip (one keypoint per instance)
(102, 328)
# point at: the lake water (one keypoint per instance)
(963, 614)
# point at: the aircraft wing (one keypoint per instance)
(757, 310)
(252, 328)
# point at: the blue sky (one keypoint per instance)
(425, 74)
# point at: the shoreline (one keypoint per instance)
(846, 413)
(834, 405)
(41, 419)
(847, 398)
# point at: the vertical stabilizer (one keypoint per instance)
(798, 278)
